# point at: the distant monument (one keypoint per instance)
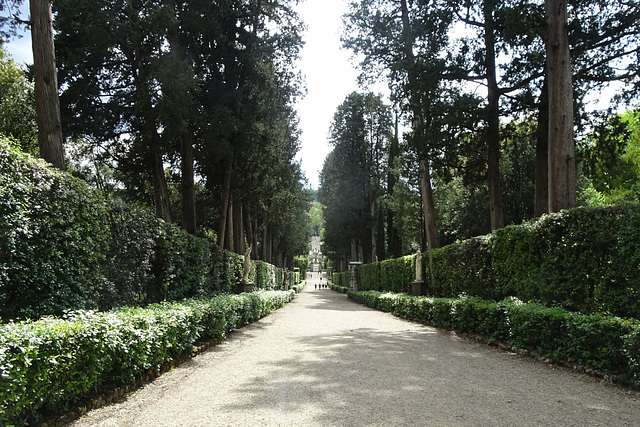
(315, 255)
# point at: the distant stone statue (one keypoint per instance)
(419, 277)
(247, 265)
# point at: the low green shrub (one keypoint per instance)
(337, 288)
(599, 342)
(47, 365)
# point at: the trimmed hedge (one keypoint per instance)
(50, 364)
(63, 247)
(607, 344)
(337, 288)
(585, 260)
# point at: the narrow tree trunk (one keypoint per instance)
(354, 251)
(188, 185)
(428, 206)
(238, 232)
(46, 84)
(562, 167)
(230, 238)
(224, 208)
(264, 244)
(542, 154)
(395, 244)
(160, 188)
(374, 230)
(493, 122)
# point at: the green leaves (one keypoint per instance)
(48, 365)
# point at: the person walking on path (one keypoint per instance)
(323, 360)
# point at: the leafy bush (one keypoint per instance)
(599, 342)
(47, 365)
(396, 275)
(62, 247)
(584, 260)
(370, 277)
(51, 238)
(337, 288)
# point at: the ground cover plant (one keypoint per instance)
(48, 365)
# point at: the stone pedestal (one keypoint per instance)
(244, 286)
(354, 284)
(419, 288)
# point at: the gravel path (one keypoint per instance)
(325, 361)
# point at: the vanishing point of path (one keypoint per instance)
(325, 361)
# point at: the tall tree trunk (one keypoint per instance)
(182, 73)
(374, 230)
(160, 188)
(230, 235)
(264, 243)
(188, 184)
(493, 121)
(428, 206)
(562, 166)
(426, 190)
(224, 208)
(395, 244)
(238, 229)
(46, 84)
(542, 154)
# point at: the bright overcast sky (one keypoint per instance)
(328, 73)
(329, 77)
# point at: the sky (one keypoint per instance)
(329, 77)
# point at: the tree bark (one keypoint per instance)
(188, 184)
(493, 122)
(238, 229)
(374, 231)
(224, 209)
(46, 84)
(160, 188)
(542, 154)
(230, 239)
(428, 206)
(562, 167)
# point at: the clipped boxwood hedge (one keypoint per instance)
(64, 247)
(52, 363)
(602, 343)
(585, 260)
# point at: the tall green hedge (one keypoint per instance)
(585, 260)
(63, 247)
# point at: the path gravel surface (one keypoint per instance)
(325, 361)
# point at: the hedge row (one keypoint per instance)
(585, 260)
(338, 288)
(606, 344)
(63, 247)
(393, 275)
(47, 365)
